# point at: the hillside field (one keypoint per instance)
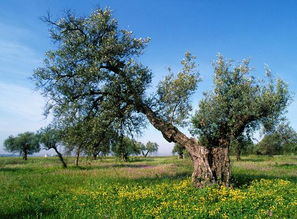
(153, 187)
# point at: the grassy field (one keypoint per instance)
(263, 187)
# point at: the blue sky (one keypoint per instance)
(265, 31)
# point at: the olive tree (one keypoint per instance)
(94, 71)
(126, 147)
(92, 136)
(24, 143)
(241, 144)
(149, 147)
(282, 140)
(51, 138)
(179, 149)
(238, 104)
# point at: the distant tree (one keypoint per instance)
(126, 147)
(242, 144)
(94, 71)
(99, 137)
(269, 145)
(74, 140)
(24, 143)
(282, 140)
(51, 138)
(180, 150)
(91, 136)
(149, 147)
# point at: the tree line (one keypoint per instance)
(48, 138)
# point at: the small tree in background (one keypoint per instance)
(180, 150)
(51, 138)
(126, 147)
(280, 141)
(241, 145)
(149, 147)
(25, 143)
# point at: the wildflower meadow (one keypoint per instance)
(155, 187)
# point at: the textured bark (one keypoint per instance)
(60, 157)
(218, 163)
(211, 165)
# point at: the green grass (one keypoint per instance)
(263, 187)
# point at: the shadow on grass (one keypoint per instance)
(16, 170)
(161, 178)
(252, 160)
(29, 213)
(241, 179)
(286, 166)
(237, 180)
(126, 165)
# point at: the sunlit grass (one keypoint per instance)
(150, 187)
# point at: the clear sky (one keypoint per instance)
(265, 31)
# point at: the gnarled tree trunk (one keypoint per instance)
(211, 165)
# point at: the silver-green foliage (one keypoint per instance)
(93, 71)
(24, 143)
(238, 104)
(175, 90)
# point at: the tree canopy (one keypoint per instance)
(126, 147)
(239, 103)
(149, 147)
(180, 150)
(282, 140)
(51, 138)
(24, 143)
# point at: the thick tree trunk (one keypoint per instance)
(215, 168)
(60, 157)
(145, 155)
(211, 165)
(94, 156)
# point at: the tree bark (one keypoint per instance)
(60, 157)
(211, 165)
(215, 169)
